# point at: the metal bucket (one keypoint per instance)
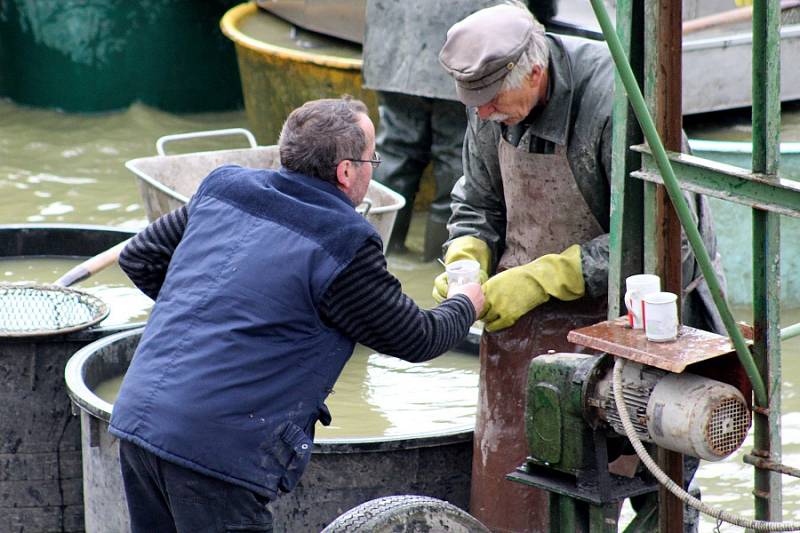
(40, 472)
(341, 475)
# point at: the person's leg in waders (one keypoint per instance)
(448, 123)
(404, 141)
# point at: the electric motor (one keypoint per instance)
(685, 412)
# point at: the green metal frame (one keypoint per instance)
(761, 189)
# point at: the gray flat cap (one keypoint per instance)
(483, 48)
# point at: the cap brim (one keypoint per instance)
(478, 97)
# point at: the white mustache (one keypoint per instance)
(497, 117)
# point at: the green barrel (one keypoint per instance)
(106, 54)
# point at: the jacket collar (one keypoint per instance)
(316, 183)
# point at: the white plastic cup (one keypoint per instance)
(661, 316)
(637, 287)
(463, 271)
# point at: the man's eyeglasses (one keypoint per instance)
(375, 161)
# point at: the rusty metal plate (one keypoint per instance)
(618, 338)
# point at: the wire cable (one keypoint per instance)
(716, 512)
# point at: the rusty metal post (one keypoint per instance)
(663, 91)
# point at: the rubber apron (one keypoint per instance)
(546, 213)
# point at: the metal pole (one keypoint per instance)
(766, 256)
(627, 213)
(790, 331)
(684, 214)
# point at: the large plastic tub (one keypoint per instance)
(281, 67)
(102, 55)
(166, 182)
(40, 439)
(342, 473)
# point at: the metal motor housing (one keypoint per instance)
(697, 416)
(570, 446)
(568, 394)
(686, 413)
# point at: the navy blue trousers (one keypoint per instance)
(166, 498)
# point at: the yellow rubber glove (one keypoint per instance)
(514, 292)
(466, 247)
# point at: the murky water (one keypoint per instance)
(382, 396)
(56, 167)
(266, 27)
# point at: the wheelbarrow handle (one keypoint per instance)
(364, 207)
(199, 134)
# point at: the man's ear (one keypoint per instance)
(535, 75)
(345, 172)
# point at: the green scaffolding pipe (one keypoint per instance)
(674, 191)
(790, 331)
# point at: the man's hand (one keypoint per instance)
(518, 290)
(473, 292)
(466, 247)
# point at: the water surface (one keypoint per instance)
(270, 29)
(378, 396)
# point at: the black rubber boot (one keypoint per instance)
(400, 230)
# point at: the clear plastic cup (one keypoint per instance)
(463, 271)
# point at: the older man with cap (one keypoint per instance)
(533, 206)
(422, 120)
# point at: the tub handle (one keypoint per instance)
(200, 134)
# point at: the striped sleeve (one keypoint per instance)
(366, 303)
(146, 258)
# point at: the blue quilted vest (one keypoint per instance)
(233, 368)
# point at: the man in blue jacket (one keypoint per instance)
(263, 284)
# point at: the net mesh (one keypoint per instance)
(29, 310)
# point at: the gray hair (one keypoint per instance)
(319, 134)
(537, 54)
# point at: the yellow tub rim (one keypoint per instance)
(229, 25)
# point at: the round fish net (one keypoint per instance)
(29, 310)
